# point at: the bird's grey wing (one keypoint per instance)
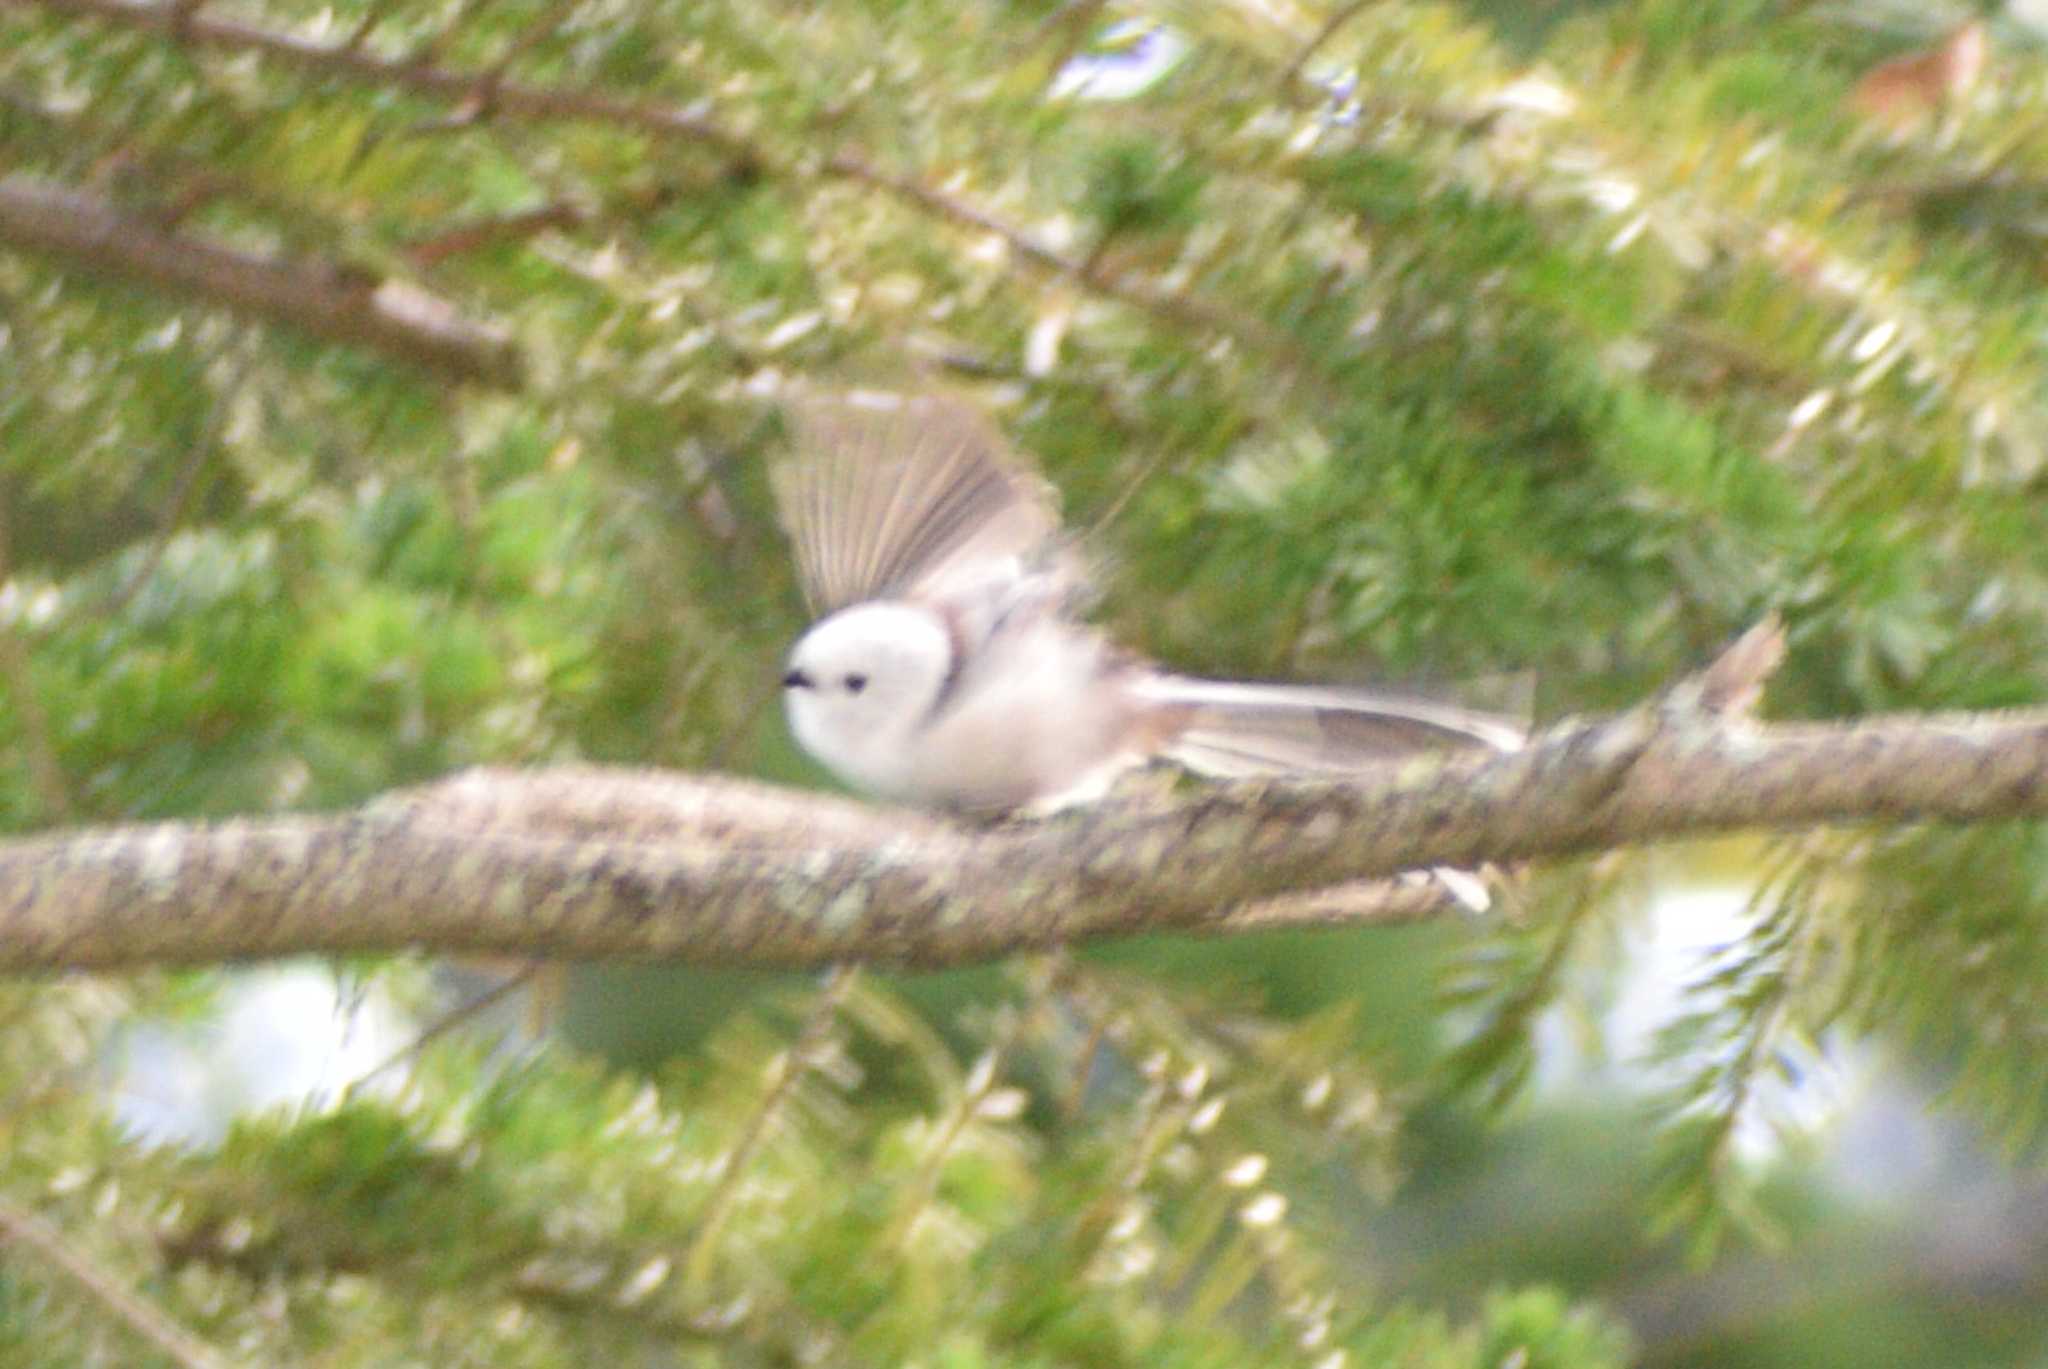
(1226, 729)
(892, 495)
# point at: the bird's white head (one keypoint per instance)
(859, 686)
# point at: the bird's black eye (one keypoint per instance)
(856, 683)
(796, 679)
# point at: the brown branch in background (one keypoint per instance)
(1174, 305)
(510, 99)
(483, 233)
(46, 772)
(538, 32)
(514, 100)
(1069, 26)
(478, 103)
(431, 50)
(170, 185)
(181, 16)
(1339, 17)
(314, 297)
(1997, 179)
(374, 14)
(21, 1227)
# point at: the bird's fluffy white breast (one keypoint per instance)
(901, 654)
(1032, 716)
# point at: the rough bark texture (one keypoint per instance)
(591, 863)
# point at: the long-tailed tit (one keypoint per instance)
(949, 667)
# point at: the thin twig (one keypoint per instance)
(22, 1227)
(435, 44)
(46, 772)
(445, 1023)
(374, 15)
(1995, 178)
(200, 448)
(1160, 1112)
(1070, 23)
(482, 233)
(980, 1082)
(788, 1068)
(538, 32)
(1339, 17)
(478, 105)
(1188, 309)
(1084, 1069)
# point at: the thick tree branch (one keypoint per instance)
(591, 863)
(331, 303)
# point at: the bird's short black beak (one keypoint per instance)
(796, 679)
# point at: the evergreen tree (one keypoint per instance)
(387, 389)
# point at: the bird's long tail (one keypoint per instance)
(1227, 729)
(1230, 730)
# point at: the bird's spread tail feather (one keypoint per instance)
(1226, 729)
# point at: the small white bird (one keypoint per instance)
(949, 668)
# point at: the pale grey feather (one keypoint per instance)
(1233, 729)
(893, 496)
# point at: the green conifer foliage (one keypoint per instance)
(388, 387)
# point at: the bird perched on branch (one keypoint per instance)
(950, 666)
